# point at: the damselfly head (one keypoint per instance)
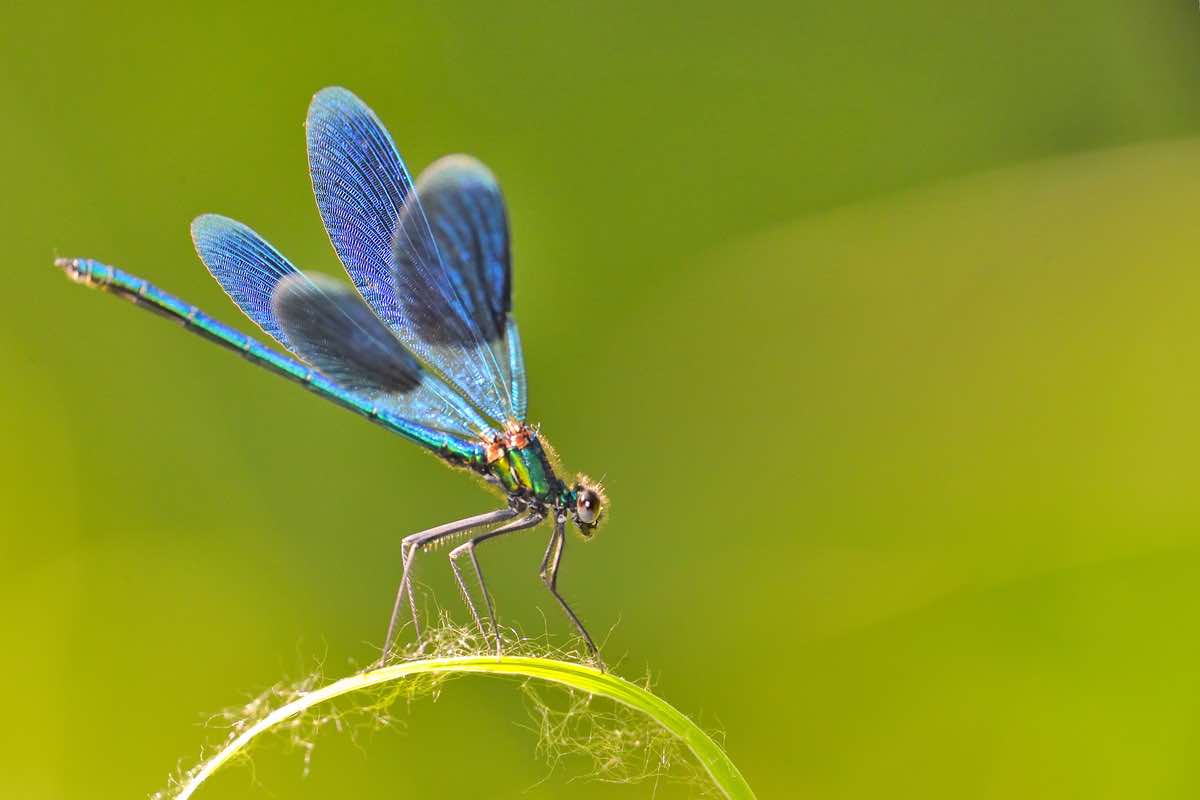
(590, 505)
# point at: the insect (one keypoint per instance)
(424, 344)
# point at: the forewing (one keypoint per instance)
(452, 248)
(454, 280)
(360, 184)
(447, 309)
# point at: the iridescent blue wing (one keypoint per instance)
(451, 251)
(246, 267)
(331, 328)
(328, 326)
(431, 299)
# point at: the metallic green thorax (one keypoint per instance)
(528, 472)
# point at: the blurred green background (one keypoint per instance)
(880, 321)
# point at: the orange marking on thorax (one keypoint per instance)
(516, 436)
(493, 451)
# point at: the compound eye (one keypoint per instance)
(587, 507)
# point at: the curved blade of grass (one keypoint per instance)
(724, 774)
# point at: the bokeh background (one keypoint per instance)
(880, 320)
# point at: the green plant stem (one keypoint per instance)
(724, 774)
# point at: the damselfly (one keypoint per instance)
(425, 343)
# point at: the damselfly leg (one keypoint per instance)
(549, 575)
(469, 547)
(408, 549)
